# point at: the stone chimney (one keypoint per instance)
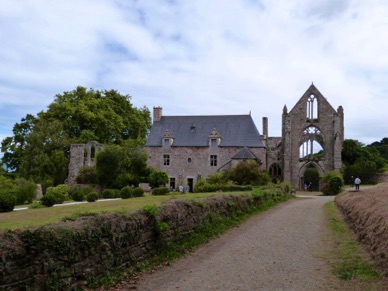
(157, 113)
(265, 128)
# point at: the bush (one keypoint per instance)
(109, 193)
(332, 183)
(160, 191)
(78, 195)
(87, 175)
(7, 202)
(92, 197)
(25, 191)
(48, 200)
(138, 192)
(60, 192)
(126, 192)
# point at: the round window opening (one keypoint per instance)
(189, 160)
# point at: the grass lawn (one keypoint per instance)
(41, 216)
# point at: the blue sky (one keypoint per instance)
(199, 57)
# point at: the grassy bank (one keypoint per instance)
(349, 261)
(34, 217)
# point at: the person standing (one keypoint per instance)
(357, 182)
(352, 181)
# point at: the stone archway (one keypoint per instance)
(317, 168)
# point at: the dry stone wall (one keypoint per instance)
(71, 254)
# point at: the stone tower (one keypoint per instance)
(312, 126)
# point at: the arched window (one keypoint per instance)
(311, 143)
(275, 171)
(312, 107)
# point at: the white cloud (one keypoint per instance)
(199, 57)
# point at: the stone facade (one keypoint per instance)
(311, 123)
(82, 155)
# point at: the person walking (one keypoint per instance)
(357, 182)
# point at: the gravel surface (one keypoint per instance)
(281, 249)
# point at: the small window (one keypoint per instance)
(213, 143)
(213, 160)
(166, 160)
(189, 160)
(166, 142)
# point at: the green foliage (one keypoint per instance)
(78, 195)
(61, 192)
(92, 197)
(215, 179)
(158, 178)
(36, 204)
(25, 191)
(118, 167)
(138, 192)
(150, 210)
(39, 148)
(160, 191)
(87, 175)
(350, 261)
(108, 193)
(332, 183)
(7, 202)
(49, 199)
(206, 187)
(311, 175)
(361, 161)
(381, 147)
(247, 173)
(126, 192)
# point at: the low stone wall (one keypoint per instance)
(71, 254)
(366, 212)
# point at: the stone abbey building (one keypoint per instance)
(190, 147)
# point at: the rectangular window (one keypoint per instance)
(213, 143)
(166, 160)
(166, 142)
(213, 160)
(172, 184)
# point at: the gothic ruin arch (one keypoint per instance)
(311, 119)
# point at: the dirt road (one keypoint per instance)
(281, 249)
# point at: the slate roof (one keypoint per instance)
(244, 154)
(234, 130)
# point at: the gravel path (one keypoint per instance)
(280, 249)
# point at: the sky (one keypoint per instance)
(199, 57)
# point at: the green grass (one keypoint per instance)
(36, 217)
(214, 226)
(349, 261)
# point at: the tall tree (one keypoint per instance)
(40, 146)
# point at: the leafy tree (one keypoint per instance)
(40, 146)
(245, 173)
(7, 194)
(381, 147)
(25, 191)
(13, 147)
(87, 175)
(360, 160)
(158, 178)
(118, 167)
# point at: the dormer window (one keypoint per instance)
(167, 139)
(214, 139)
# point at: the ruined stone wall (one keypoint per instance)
(330, 124)
(82, 155)
(72, 254)
(194, 162)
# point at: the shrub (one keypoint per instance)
(7, 202)
(126, 192)
(78, 195)
(160, 191)
(138, 192)
(332, 183)
(87, 175)
(60, 192)
(25, 191)
(48, 200)
(109, 193)
(92, 197)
